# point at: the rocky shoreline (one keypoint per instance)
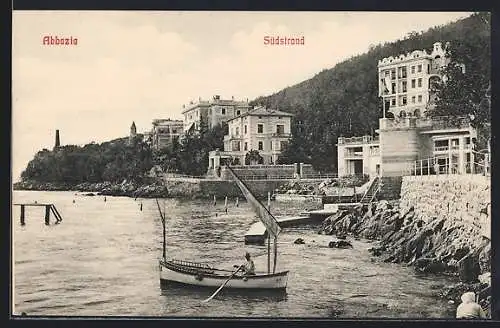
(430, 246)
(147, 189)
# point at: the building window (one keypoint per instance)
(428, 69)
(393, 74)
(419, 83)
(260, 117)
(404, 86)
(393, 87)
(246, 145)
(403, 101)
(261, 145)
(386, 73)
(420, 68)
(283, 145)
(280, 129)
(238, 112)
(413, 70)
(271, 145)
(413, 99)
(237, 131)
(419, 98)
(404, 72)
(223, 111)
(393, 102)
(245, 129)
(413, 83)
(260, 128)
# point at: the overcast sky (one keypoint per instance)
(137, 66)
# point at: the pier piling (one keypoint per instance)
(47, 214)
(269, 200)
(225, 204)
(215, 201)
(22, 215)
(237, 200)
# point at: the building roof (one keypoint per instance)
(263, 111)
(215, 101)
(166, 121)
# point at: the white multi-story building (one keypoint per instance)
(264, 130)
(406, 134)
(212, 112)
(405, 80)
(165, 131)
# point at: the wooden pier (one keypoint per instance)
(48, 208)
(257, 234)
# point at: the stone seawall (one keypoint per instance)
(441, 224)
(189, 188)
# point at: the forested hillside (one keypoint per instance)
(343, 100)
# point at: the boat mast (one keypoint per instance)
(275, 253)
(164, 230)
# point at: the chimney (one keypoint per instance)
(58, 141)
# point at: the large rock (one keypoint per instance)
(468, 269)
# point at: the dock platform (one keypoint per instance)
(257, 233)
(48, 209)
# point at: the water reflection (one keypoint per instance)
(197, 293)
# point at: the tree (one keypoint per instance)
(253, 157)
(464, 92)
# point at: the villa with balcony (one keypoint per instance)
(358, 156)
(264, 130)
(407, 134)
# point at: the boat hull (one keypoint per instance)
(192, 277)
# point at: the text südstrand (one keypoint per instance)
(283, 41)
(59, 41)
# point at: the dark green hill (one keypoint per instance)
(343, 100)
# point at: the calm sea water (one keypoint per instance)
(102, 260)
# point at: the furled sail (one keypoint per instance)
(263, 213)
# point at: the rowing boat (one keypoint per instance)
(200, 275)
(192, 274)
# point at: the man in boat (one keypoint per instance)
(249, 267)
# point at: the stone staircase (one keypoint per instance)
(371, 194)
(390, 188)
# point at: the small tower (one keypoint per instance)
(133, 132)
(58, 142)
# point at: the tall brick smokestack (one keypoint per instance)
(58, 142)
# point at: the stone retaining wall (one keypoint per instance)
(462, 199)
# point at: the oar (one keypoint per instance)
(222, 286)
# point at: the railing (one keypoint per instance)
(435, 123)
(232, 137)
(441, 148)
(479, 163)
(372, 191)
(353, 154)
(319, 176)
(282, 134)
(444, 122)
(356, 140)
(263, 166)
